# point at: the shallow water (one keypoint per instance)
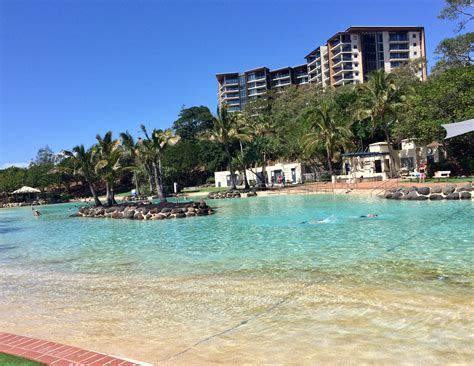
(249, 285)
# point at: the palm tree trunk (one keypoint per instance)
(135, 181)
(108, 194)
(329, 161)
(390, 149)
(231, 169)
(264, 173)
(158, 184)
(94, 194)
(246, 182)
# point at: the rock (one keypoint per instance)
(179, 215)
(165, 210)
(190, 213)
(117, 215)
(412, 196)
(153, 211)
(397, 195)
(436, 197)
(121, 208)
(388, 195)
(190, 209)
(452, 196)
(465, 195)
(129, 214)
(424, 191)
(138, 216)
(413, 189)
(437, 189)
(110, 209)
(148, 216)
(176, 211)
(157, 217)
(201, 212)
(447, 190)
(464, 188)
(252, 194)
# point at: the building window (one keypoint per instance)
(415, 53)
(414, 35)
(414, 44)
(355, 46)
(356, 64)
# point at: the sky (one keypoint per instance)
(70, 69)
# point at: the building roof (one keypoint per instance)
(365, 154)
(354, 28)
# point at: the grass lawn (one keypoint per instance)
(206, 189)
(9, 360)
(450, 180)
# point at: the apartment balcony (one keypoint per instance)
(344, 58)
(399, 46)
(403, 37)
(231, 82)
(258, 77)
(399, 56)
(280, 76)
(230, 96)
(232, 103)
(279, 85)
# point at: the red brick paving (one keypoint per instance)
(56, 354)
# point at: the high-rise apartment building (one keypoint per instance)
(348, 57)
(235, 89)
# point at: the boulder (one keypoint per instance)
(176, 211)
(110, 209)
(117, 215)
(179, 215)
(148, 216)
(452, 196)
(138, 216)
(190, 213)
(252, 194)
(165, 210)
(436, 197)
(190, 209)
(412, 196)
(388, 195)
(448, 189)
(437, 189)
(129, 214)
(464, 188)
(465, 195)
(153, 211)
(424, 191)
(397, 195)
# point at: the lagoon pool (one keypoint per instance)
(250, 284)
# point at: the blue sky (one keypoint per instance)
(71, 69)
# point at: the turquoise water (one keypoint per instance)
(250, 284)
(264, 235)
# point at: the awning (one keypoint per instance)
(26, 189)
(459, 128)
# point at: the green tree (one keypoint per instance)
(154, 146)
(84, 165)
(382, 100)
(325, 130)
(455, 52)
(108, 165)
(192, 122)
(458, 8)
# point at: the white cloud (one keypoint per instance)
(18, 165)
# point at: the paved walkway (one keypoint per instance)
(51, 353)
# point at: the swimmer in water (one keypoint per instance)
(36, 213)
(320, 221)
(369, 216)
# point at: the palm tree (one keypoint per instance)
(262, 129)
(381, 99)
(84, 163)
(154, 146)
(225, 130)
(134, 150)
(325, 131)
(109, 165)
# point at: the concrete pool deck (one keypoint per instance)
(56, 354)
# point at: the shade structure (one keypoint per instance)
(26, 189)
(458, 128)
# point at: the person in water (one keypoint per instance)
(320, 221)
(36, 213)
(369, 216)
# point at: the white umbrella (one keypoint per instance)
(26, 189)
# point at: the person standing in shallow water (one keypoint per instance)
(36, 213)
